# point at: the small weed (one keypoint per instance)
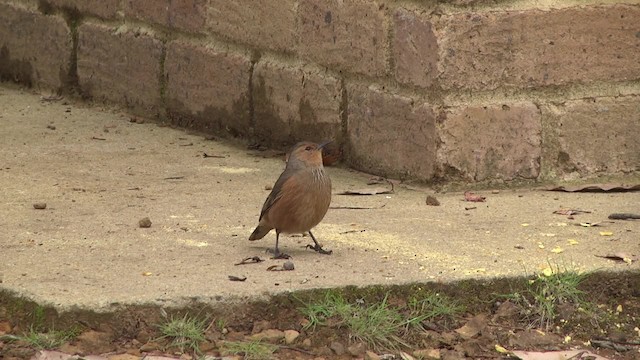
(377, 325)
(253, 350)
(546, 292)
(431, 307)
(221, 324)
(38, 318)
(318, 313)
(49, 340)
(184, 332)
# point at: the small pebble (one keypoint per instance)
(288, 265)
(268, 187)
(40, 205)
(145, 222)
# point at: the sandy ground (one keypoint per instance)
(99, 174)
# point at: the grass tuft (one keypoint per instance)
(48, 340)
(431, 307)
(184, 333)
(379, 325)
(546, 292)
(250, 350)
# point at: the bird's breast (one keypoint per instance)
(304, 202)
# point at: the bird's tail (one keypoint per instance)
(259, 232)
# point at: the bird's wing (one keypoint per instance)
(276, 192)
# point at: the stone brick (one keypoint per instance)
(592, 136)
(415, 49)
(35, 49)
(106, 9)
(534, 48)
(348, 34)
(390, 134)
(119, 65)
(292, 104)
(188, 15)
(265, 24)
(207, 89)
(491, 142)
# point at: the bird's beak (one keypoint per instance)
(324, 144)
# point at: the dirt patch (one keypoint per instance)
(607, 324)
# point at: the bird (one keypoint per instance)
(299, 199)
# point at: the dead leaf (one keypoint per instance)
(506, 310)
(205, 155)
(627, 258)
(571, 212)
(57, 355)
(596, 188)
(473, 327)
(376, 180)
(606, 233)
(237, 278)
(557, 250)
(357, 207)
(50, 355)
(588, 224)
(287, 266)
(608, 344)
(352, 231)
(624, 216)
(249, 260)
(469, 196)
(557, 355)
(52, 97)
(368, 191)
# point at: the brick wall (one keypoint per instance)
(472, 90)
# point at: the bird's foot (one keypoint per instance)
(277, 254)
(319, 249)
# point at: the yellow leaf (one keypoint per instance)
(547, 272)
(147, 273)
(606, 233)
(572, 242)
(525, 224)
(619, 308)
(501, 350)
(541, 245)
(557, 250)
(586, 224)
(567, 339)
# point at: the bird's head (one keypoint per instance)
(306, 154)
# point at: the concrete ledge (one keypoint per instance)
(86, 250)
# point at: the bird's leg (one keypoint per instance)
(317, 246)
(276, 252)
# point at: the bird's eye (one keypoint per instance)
(308, 148)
